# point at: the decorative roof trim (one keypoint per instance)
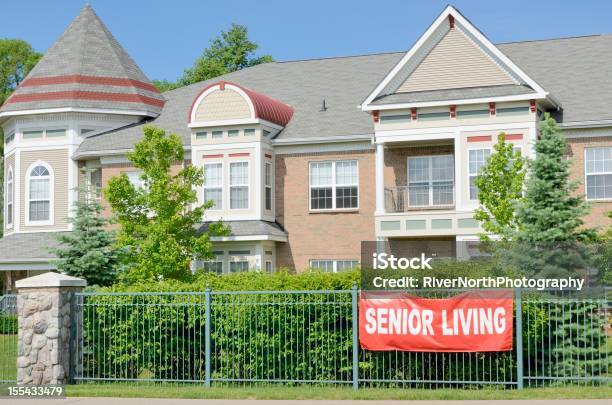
(84, 95)
(83, 79)
(260, 105)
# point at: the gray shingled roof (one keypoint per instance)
(250, 228)
(576, 71)
(453, 94)
(18, 247)
(86, 49)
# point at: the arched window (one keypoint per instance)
(10, 192)
(40, 191)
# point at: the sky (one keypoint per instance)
(165, 37)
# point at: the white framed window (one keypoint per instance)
(334, 185)
(93, 179)
(39, 192)
(333, 266)
(268, 266)
(431, 180)
(213, 184)
(214, 265)
(10, 193)
(598, 173)
(477, 159)
(239, 185)
(239, 266)
(135, 179)
(268, 185)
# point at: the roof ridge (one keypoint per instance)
(552, 39)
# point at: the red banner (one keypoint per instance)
(478, 321)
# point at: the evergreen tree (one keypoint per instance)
(88, 251)
(551, 210)
(500, 185)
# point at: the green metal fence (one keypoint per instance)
(8, 339)
(311, 337)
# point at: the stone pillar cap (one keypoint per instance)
(51, 279)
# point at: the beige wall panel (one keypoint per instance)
(58, 160)
(222, 105)
(456, 62)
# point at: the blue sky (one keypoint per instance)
(165, 37)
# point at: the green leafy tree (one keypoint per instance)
(158, 220)
(500, 185)
(165, 85)
(229, 52)
(551, 210)
(88, 251)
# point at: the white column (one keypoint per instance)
(458, 157)
(380, 178)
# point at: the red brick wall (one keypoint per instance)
(321, 235)
(599, 209)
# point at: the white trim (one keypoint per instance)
(73, 109)
(362, 145)
(585, 124)
(380, 178)
(25, 266)
(248, 238)
(586, 195)
(498, 99)
(447, 132)
(51, 178)
(322, 139)
(462, 21)
(241, 121)
(17, 196)
(10, 177)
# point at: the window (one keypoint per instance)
(268, 185)
(477, 159)
(10, 191)
(333, 266)
(239, 266)
(431, 180)
(598, 172)
(217, 134)
(433, 116)
(233, 132)
(9, 138)
(39, 194)
(239, 185)
(32, 134)
(94, 183)
(268, 266)
(249, 132)
(213, 184)
(135, 179)
(213, 265)
(389, 119)
(55, 133)
(200, 135)
(512, 111)
(334, 185)
(473, 113)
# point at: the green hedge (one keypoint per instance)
(8, 324)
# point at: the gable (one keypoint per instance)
(223, 105)
(455, 62)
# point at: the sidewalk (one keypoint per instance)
(170, 401)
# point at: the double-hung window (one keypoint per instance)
(213, 184)
(268, 185)
(239, 185)
(39, 196)
(9, 197)
(430, 180)
(333, 266)
(334, 185)
(477, 159)
(598, 173)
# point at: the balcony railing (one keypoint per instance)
(420, 196)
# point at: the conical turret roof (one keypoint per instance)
(86, 69)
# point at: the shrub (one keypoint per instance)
(8, 324)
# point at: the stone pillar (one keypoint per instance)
(44, 319)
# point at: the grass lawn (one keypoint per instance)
(317, 392)
(8, 357)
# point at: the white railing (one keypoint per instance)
(419, 196)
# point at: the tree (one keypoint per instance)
(165, 85)
(551, 210)
(17, 58)
(88, 251)
(229, 52)
(159, 220)
(500, 189)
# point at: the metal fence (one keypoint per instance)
(8, 339)
(311, 337)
